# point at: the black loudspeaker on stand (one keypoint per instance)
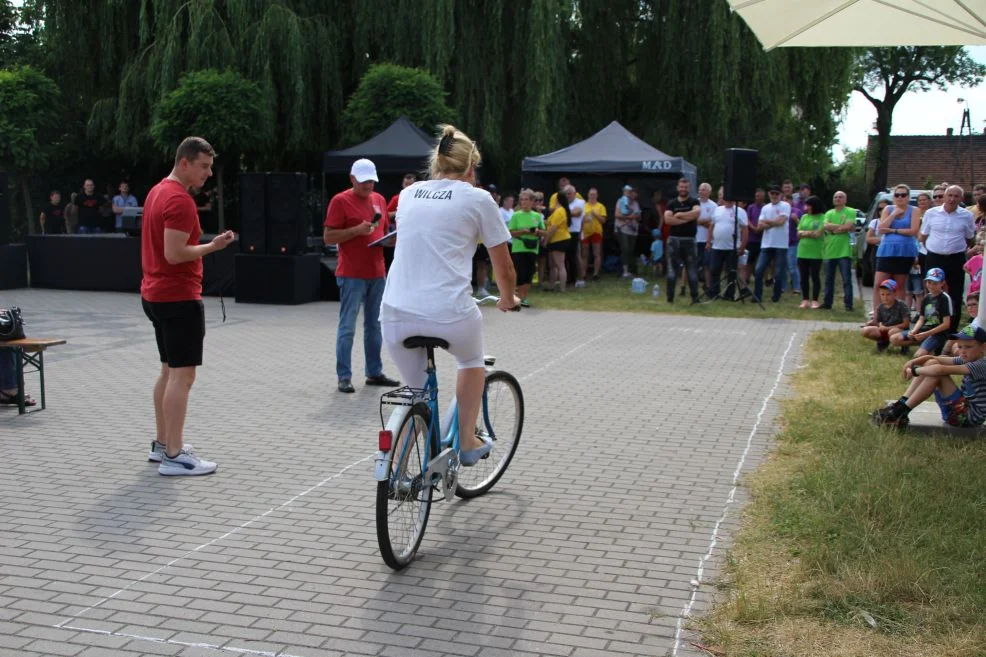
(740, 177)
(739, 184)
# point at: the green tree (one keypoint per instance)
(850, 177)
(386, 92)
(224, 108)
(29, 127)
(19, 32)
(884, 75)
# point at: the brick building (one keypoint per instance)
(920, 161)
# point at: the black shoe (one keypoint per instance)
(881, 347)
(345, 385)
(381, 380)
(905, 351)
(824, 307)
(890, 416)
(848, 309)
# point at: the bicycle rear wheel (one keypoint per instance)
(503, 407)
(404, 501)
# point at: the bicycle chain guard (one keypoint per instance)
(446, 466)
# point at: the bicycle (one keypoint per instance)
(427, 451)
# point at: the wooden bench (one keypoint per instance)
(29, 352)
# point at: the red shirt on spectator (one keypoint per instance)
(356, 258)
(169, 205)
(392, 206)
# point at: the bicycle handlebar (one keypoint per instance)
(490, 298)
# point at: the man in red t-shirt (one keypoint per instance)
(171, 293)
(355, 218)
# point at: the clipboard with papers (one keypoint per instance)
(387, 240)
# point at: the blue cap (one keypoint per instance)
(890, 284)
(970, 332)
(936, 274)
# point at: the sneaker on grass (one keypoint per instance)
(186, 463)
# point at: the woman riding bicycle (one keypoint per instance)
(428, 289)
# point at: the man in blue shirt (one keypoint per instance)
(123, 200)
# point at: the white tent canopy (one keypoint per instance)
(782, 23)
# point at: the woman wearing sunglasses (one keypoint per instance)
(898, 249)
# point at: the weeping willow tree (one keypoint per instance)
(291, 49)
(711, 86)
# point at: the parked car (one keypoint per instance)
(866, 258)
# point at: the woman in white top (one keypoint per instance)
(439, 223)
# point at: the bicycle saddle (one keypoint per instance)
(421, 341)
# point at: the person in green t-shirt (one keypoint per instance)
(526, 227)
(837, 253)
(811, 236)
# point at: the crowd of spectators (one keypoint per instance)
(784, 240)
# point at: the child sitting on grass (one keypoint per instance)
(961, 406)
(972, 307)
(933, 326)
(892, 313)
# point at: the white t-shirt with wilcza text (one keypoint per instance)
(439, 223)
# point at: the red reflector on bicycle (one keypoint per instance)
(386, 440)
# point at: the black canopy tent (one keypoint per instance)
(607, 160)
(400, 148)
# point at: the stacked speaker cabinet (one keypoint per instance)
(253, 213)
(740, 176)
(287, 217)
(273, 213)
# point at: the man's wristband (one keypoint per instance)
(914, 369)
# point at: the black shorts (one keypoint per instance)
(179, 328)
(895, 266)
(561, 245)
(525, 264)
(481, 254)
(753, 252)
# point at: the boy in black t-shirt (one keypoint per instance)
(53, 215)
(891, 315)
(935, 323)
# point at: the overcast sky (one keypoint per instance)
(929, 113)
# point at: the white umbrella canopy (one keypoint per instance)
(783, 23)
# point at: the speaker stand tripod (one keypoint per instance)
(733, 283)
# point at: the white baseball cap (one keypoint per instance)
(363, 170)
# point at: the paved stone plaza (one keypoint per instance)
(590, 545)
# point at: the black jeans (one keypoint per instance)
(681, 252)
(952, 264)
(810, 267)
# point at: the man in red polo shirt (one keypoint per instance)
(355, 218)
(171, 293)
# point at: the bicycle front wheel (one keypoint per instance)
(502, 418)
(404, 501)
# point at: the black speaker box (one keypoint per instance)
(740, 176)
(253, 212)
(287, 217)
(4, 209)
(277, 279)
(13, 266)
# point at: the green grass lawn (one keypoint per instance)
(858, 541)
(613, 294)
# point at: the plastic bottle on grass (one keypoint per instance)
(638, 286)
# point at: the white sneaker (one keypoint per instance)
(482, 292)
(579, 283)
(186, 463)
(157, 451)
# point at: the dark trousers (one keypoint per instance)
(721, 258)
(572, 259)
(780, 268)
(810, 268)
(844, 266)
(681, 253)
(954, 278)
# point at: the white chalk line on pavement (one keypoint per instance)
(218, 538)
(246, 651)
(697, 582)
